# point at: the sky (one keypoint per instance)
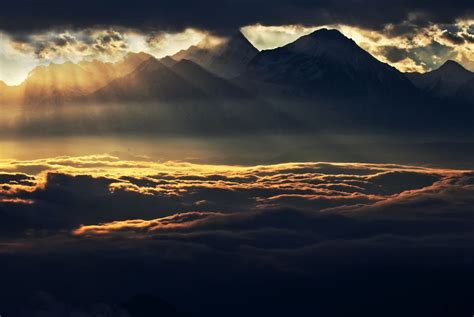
(411, 37)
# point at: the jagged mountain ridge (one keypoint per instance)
(168, 61)
(444, 82)
(186, 97)
(208, 82)
(326, 62)
(60, 83)
(151, 80)
(331, 83)
(228, 59)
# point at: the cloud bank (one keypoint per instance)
(208, 237)
(227, 234)
(103, 189)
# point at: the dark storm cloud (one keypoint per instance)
(222, 16)
(423, 55)
(15, 179)
(394, 54)
(468, 37)
(453, 38)
(62, 43)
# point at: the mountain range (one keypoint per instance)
(319, 78)
(448, 81)
(326, 63)
(228, 59)
(60, 83)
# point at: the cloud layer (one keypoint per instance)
(210, 237)
(105, 188)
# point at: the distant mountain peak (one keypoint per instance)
(452, 66)
(206, 81)
(326, 62)
(239, 38)
(187, 63)
(149, 65)
(132, 57)
(168, 61)
(141, 55)
(237, 34)
(444, 81)
(227, 58)
(58, 69)
(328, 46)
(326, 38)
(328, 34)
(215, 43)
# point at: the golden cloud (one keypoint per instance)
(103, 193)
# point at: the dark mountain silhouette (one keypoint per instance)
(322, 81)
(326, 63)
(185, 80)
(208, 82)
(185, 98)
(465, 93)
(132, 60)
(443, 82)
(150, 81)
(168, 61)
(228, 59)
